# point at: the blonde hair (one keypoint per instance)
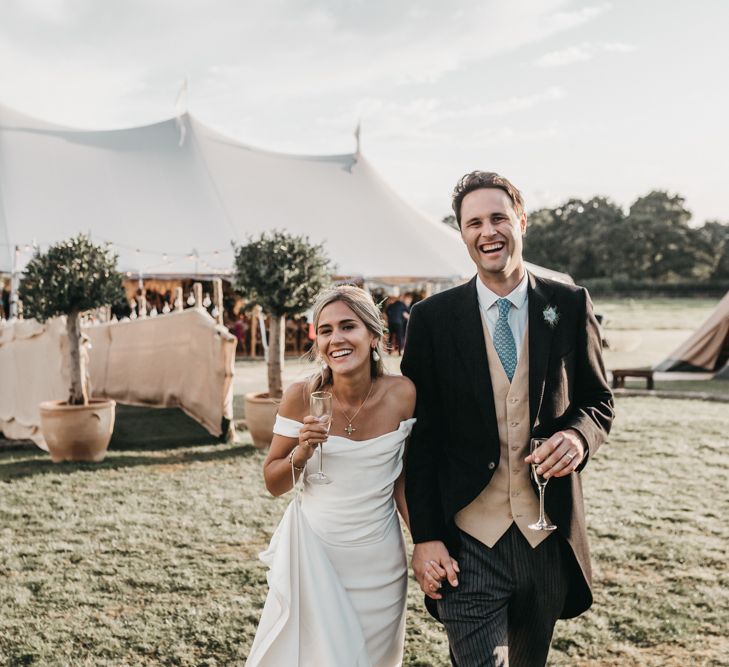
(363, 306)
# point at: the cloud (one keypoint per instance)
(581, 53)
(618, 47)
(51, 11)
(433, 120)
(513, 104)
(255, 56)
(564, 20)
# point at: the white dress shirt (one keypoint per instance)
(518, 313)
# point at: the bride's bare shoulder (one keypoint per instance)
(401, 389)
(295, 401)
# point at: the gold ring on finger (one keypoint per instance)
(306, 442)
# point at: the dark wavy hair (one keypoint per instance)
(485, 179)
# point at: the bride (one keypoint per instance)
(338, 572)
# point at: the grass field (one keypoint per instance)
(654, 314)
(150, 557)
(713, 387)
(642, 332)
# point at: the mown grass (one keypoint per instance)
(643, 332)
(654, 313)
(150, 558)
(715, 387)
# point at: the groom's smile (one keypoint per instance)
(492, 231)
(492, 248)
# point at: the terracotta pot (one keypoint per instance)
(261, 412)
(77, 432)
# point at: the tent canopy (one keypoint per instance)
(707, 349)
(174, 195)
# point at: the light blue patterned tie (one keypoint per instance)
(504, 339)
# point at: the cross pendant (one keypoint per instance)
(349, 429)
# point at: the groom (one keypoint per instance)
(497, 361)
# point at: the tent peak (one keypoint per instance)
(12, 119)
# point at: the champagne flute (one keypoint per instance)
(542, 524)
(320, 405)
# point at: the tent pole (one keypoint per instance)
(14, 284)
(218, 299)
(197, 291)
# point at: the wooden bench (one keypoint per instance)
(619, 376)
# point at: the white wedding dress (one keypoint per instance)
(338, 572)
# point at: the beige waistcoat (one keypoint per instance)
(509, 497)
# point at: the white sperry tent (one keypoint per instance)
(707, 349)
(172, 196)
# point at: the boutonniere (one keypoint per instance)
(551, 316)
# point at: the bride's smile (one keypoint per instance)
(343, 339)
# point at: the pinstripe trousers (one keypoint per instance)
(507, 601)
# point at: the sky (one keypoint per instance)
(563, 97)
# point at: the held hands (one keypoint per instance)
(560, 455)
(432, 564)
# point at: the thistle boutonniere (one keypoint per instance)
(551, 316)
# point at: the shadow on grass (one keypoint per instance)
(137, 430)
(156, 428)
(40, 464)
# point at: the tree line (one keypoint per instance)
(597, 242)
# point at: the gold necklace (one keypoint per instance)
(349, 429)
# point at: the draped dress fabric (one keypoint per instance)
(337, 566)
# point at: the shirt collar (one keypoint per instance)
(487, 298)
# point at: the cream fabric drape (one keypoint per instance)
(180, 360)
(33, 368)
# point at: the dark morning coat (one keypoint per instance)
(454, 448)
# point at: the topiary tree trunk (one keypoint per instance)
(276, 349)
(78, 391)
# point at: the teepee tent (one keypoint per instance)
(707, 349)
(172, 196)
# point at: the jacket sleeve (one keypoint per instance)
(593, 410)
(422, 489)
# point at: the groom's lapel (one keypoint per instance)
(540, 343)
(471, 348)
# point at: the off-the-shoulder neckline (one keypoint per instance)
(341, 437)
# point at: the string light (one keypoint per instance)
(164, 265)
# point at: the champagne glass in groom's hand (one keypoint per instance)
(541, 481)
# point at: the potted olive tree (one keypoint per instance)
(282, 274)
(70, 278)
